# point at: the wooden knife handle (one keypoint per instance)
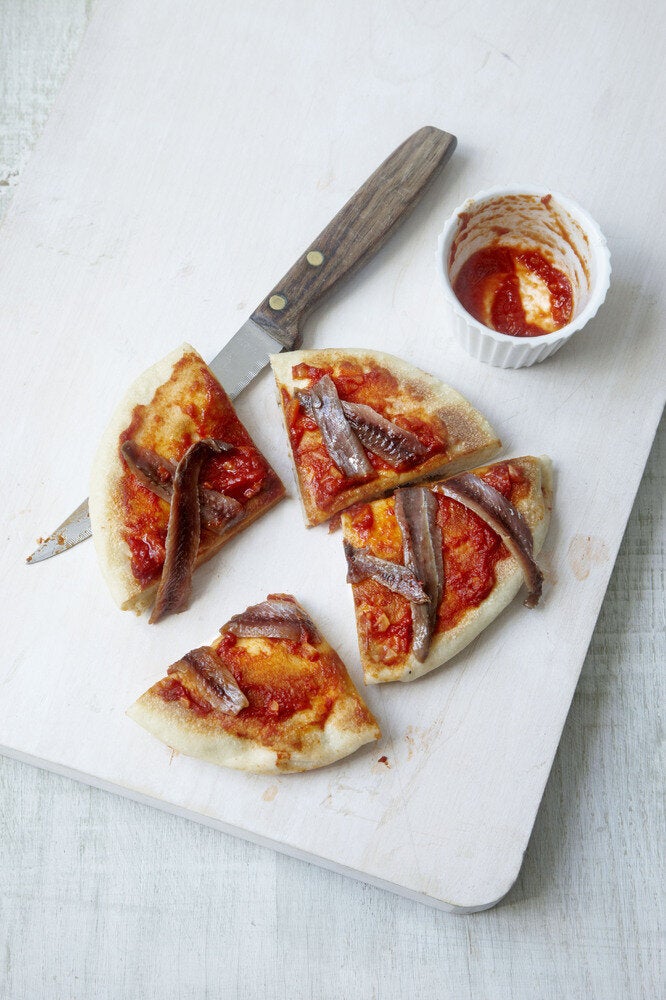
(356, 233)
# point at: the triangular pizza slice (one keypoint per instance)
(432, 565)
(361, 423)
(175, 477)
(268, 694)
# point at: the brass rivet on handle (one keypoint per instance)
(277, 302)
(315, 258)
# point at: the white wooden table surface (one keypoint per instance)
(104, 898)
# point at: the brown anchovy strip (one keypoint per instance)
(499, 514)
(153, 472)
(398, 579)
(219, 684)
(392, 443)
(156, 474)
(416, 513)
(274, 618)
(323, 405)
(183, 531)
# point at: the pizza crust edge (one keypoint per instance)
(171, 723)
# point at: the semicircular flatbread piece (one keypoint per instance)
(453, 434)
(481, 577)
(304, 711)
(174, 403)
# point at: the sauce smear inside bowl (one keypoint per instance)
(515, 290)
(522, 271)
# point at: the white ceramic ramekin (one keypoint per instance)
(529, 217)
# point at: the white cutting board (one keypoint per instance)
(195, 151)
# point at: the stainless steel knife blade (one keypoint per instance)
(359, 229)
(75, 529)
(243, 357)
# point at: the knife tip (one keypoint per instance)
(56, 541)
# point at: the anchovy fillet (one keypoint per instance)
(392, 443)
(183, 531)
(218, 683)
(323, 405)
(395, 577)
(278, 617)
(416, 513)
(156, 474)
(505, 519)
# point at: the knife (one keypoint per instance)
(346, 244)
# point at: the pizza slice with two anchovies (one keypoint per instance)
(175, 477)
(268, 694)
(432, 565)
(361, 423)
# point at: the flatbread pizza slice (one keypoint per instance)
(175, 477)
(268, 694)
(432, 565)
(361, 423)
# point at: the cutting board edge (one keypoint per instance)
(329, 864)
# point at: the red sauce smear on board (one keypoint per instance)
(489, 287)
